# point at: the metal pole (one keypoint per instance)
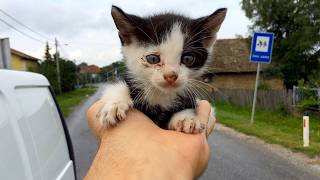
(5, 54)
(58, 65)
(255, 95)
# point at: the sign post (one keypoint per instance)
(261, 51)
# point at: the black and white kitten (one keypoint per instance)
(163, 54)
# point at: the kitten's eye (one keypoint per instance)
(188, 59)
(153, 59)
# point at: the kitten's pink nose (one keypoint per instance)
(170, 77)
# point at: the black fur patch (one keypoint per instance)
(153, 30)
(158, 114)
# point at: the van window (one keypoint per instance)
(42, 132)
(10, 156)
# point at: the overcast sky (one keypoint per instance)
(88, 29)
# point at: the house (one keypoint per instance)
(231, 68)
(23, 62)
(89, 69)
(89, 72)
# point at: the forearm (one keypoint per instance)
(116, 160)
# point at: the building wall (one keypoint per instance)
(17, 63)
(244, 81)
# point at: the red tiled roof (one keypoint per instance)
(91, 69)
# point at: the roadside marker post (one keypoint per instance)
(261, 52)
(305, 130)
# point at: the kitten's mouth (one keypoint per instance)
(168, 85)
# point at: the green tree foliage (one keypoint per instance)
(48, 69)
(47, 55)
(68, 71)
(108, 72)
(309, 93)
(296, 25)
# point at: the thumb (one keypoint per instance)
(206, 116)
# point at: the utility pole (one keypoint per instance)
(57, 65)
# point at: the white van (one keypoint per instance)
(34, 140)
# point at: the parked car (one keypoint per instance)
(34, 140)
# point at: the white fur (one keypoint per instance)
(117, 99)
(116, 102)
(170, 52)
(172, 47)
(185, 121)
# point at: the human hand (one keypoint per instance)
(138, 149)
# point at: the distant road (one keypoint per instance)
(231, 157)
(84, 144)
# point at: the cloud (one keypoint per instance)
(88, 29)
(76, 54)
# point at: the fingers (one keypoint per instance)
(206, 116)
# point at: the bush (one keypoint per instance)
(310, 96)
(67, 74)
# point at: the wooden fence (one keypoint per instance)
(266, 99)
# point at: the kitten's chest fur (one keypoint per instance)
(159, 107)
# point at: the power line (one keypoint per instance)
(23, 33)
(17, 21)
(39, 34)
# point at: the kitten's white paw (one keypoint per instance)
(113, 112)
(186, 121)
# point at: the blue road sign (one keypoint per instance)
(261, 47)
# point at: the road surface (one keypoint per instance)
(231, 157)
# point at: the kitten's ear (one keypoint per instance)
(124, 24)
(211, 24)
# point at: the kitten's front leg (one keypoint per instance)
(186, 121)
(116, 102)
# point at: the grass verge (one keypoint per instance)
(274, 127)
(67, 101)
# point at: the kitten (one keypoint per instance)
(163, 54)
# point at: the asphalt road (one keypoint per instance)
(231, 157)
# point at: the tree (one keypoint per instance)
(108, 72)
(47, 55)
(48, 69)
(68, 70)
(296, 25)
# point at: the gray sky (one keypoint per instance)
(88, 29)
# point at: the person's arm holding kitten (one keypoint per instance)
(138, 149)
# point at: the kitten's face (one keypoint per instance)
(167, 51)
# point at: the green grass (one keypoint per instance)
(272, 127)
(67, 101)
